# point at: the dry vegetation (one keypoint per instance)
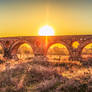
(42, 76)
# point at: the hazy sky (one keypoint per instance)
(26, 17)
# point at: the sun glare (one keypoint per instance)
(46, 31)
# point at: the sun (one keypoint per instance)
(46, 31)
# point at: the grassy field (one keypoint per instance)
(36, 75)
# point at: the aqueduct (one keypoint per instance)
(40, 44)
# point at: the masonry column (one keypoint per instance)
(14, 55)
(39, 55)
(7, 54)
(75, 54)
(39, 52)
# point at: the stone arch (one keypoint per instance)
(85, 52)
(61, 57)
(75, 44)
(84, 44)
(60, 42)
(14, 48)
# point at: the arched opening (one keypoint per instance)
(75, 44)
(58, 53)
(1, 52)
(87, 51)
(22, 51)
(25, 52)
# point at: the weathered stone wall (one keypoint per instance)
(40, 44)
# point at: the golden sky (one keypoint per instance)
(26, 17)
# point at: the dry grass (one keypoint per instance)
(39, 76)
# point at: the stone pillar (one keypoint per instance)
(6, 53)
(75, 55)
(39, 49)
(13, 55)
(40, 55)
